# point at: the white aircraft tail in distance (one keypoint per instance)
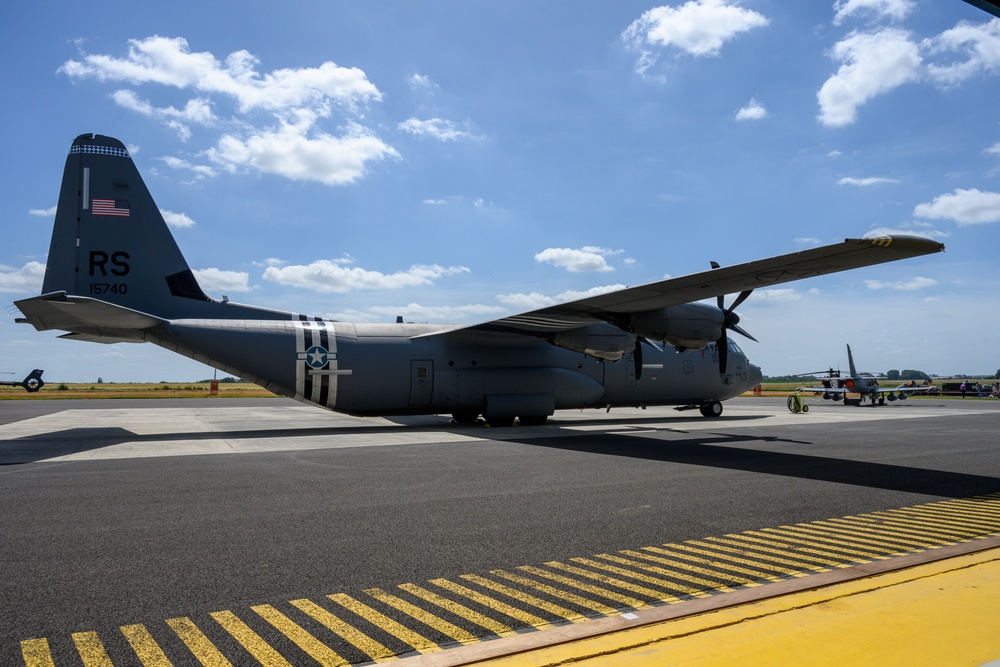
(115, 274)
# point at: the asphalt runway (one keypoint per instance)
(117, 514)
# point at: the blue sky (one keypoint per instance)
(460, 161)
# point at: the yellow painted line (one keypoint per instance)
(627, 572)
(527, 598)
(761, 553)
(894, 528)
(555, 592)
(36, 653)
(196, 641)
(316, 649)
(149, 652)
(867, 533)
(492, 603)
(675, 574)
(360, 640)
(884, 532)
(397, 630)
(879, 548)
(821, 555)
(723, 571)
(494, 626)
(922, 527)
(950, 516)
(91, 650)
(772, 547)
(942, 613)
(658, 595)
(626, 600)
(721, 555)
(835, 546)
(263, 652)
(425, 617)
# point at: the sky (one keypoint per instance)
(458, 161)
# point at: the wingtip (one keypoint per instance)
(919, 245)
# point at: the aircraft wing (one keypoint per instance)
(851, 254)
(87, 319)
(827, 390)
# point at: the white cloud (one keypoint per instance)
(27, 279)
(978, 42)
(270, 261)
(966, 207)
(177, 220)
(197, 111)
(993, 150)
(201, 170)
(776, 295)
(914, 283)
(333, 276)
(169, 61)
(808, 240)
(533, 301)
(436, 128)
(896, 10)
(217, 280)
(435, 202)
(576, 260)
(421, 82)
(754, 110)
(873, 63)
(924, 229)
(698, 27)
(871, 180)
(290, 152)
(43, 212)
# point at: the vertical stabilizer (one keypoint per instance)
(850, 362)
(109, 241)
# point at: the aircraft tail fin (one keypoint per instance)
(110, 241)
(33, 382)
(850, 362)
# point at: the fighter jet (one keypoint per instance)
(836, 387)
(32, 383)
(115, 274)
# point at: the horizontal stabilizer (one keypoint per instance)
(83, 315)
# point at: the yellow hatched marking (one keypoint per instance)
(716, 573)
(527, 598)
(719, 558)
(931, 526)
(753, 538)
(838, 546)
(363, 642)
(263, 652)
(555, 592)
(626, 600)
(400, 632)
(425, 617)
(196, 641)
(763, 552)
(316, 649)
(847, 528)
(904, 537)
(722, 550)
(985, 511)
(492, 603)
(902, 527)
(91, 650)
(36, 653)
(149, 652)
(659, 595)
(951, 515)
(679, 574)
(854, 539)
(772, 547)
(921, 527)
(991, 505)
(493, 626)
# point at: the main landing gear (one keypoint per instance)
(712, 410)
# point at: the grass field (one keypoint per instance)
(58, 390)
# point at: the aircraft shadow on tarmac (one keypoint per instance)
(715, 450)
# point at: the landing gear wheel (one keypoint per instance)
(465, 417)
(533, 421)
(499, 422)
(712, 410)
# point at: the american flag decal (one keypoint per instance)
(115, 207)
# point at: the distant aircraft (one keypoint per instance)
(31, 384)
(115, 274)
(836, 387)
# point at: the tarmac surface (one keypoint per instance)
(251, 531)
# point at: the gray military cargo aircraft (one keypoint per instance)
(115, 274)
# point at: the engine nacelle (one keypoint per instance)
(690, 326)
(598, 341)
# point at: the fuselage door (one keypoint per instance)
(421, 381)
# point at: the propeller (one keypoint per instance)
(730, 321)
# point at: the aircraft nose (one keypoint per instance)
(754, 376)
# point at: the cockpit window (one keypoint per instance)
(733, 347)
